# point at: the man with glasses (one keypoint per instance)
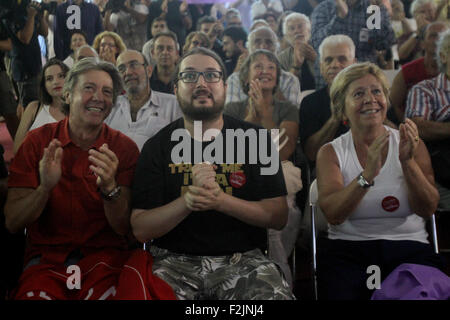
(141, 112)
(207, 221)
(165, 52)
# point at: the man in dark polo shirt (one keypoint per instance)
(165, 53)
(204, 215)
(318, 125)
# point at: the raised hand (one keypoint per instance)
(374, 156)
(50, 165)
(104, 165)
(341, 8)
(299, 54)
(183, 7)
(256, 95)
(308, 52)
(409, 140)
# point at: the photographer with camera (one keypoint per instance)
(90, 20)
(26, 63)
(128, 18)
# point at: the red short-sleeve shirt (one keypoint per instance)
(74, 217)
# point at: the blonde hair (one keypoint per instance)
(347, 76)
(117, 39)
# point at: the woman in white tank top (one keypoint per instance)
(48, 108)
(376, 187)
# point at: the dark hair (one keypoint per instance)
(78, 31)
(236, 34)
(44, 96)
(204, 52)
(205, 19)
(169, 34)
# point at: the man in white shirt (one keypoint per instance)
(141, 112)
(265, 38)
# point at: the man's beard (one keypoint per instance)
(199, 113)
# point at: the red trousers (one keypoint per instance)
(109, 274)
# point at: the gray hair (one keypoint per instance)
(296, 15)
(252, 35)
(86, 65)
(335, 40)
(84, 47)
(244, 72)
(417, 4)
(443, 46)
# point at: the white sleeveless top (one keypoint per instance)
(43, 117)
(384, 212)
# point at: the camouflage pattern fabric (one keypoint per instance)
(241, 276)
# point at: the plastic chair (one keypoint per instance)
(315, 210)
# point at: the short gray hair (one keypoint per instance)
(418, 3)
(296, 15)
(252, 34)
(86, 65)
(335, 40)
(85, 46)
(443, 45)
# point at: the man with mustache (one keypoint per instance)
(141, 112)
(207, 222)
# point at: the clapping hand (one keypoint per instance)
(50, 165)
(104, 165)
(409, 140)
(374, 156)
(205, 192)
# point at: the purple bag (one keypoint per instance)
(414, 282)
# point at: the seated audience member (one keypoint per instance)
(415, 71)
(289, 87)
(271, 17)
(400, 23)
(159, 24)
(48, 108)
(428, 105)
(204, 220)
(349, 17)
(376, 189)
(129, 22)
(109, 45)
(233, 18)
(85, 51)
(77, 40)
(196, 39)
(318, 124)
(299, 58)
(69, 186)
(234, 39)
(259, 77)
(213, 28)
(260, 7)
(165, 52)
(409, 47)
(141, 112)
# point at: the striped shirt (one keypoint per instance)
(430, 99)
(289, 87)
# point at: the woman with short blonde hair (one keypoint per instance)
(109, 45)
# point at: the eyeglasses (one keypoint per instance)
(133, 65)
(105, 44)
(192, 76)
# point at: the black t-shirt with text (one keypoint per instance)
(158, 181)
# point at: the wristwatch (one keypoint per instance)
(363, 182)
(113, 195)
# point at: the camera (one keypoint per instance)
(12, 11)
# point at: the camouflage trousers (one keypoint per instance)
(241, 276)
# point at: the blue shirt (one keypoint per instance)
(91, 24)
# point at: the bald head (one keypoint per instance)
(85, 52)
